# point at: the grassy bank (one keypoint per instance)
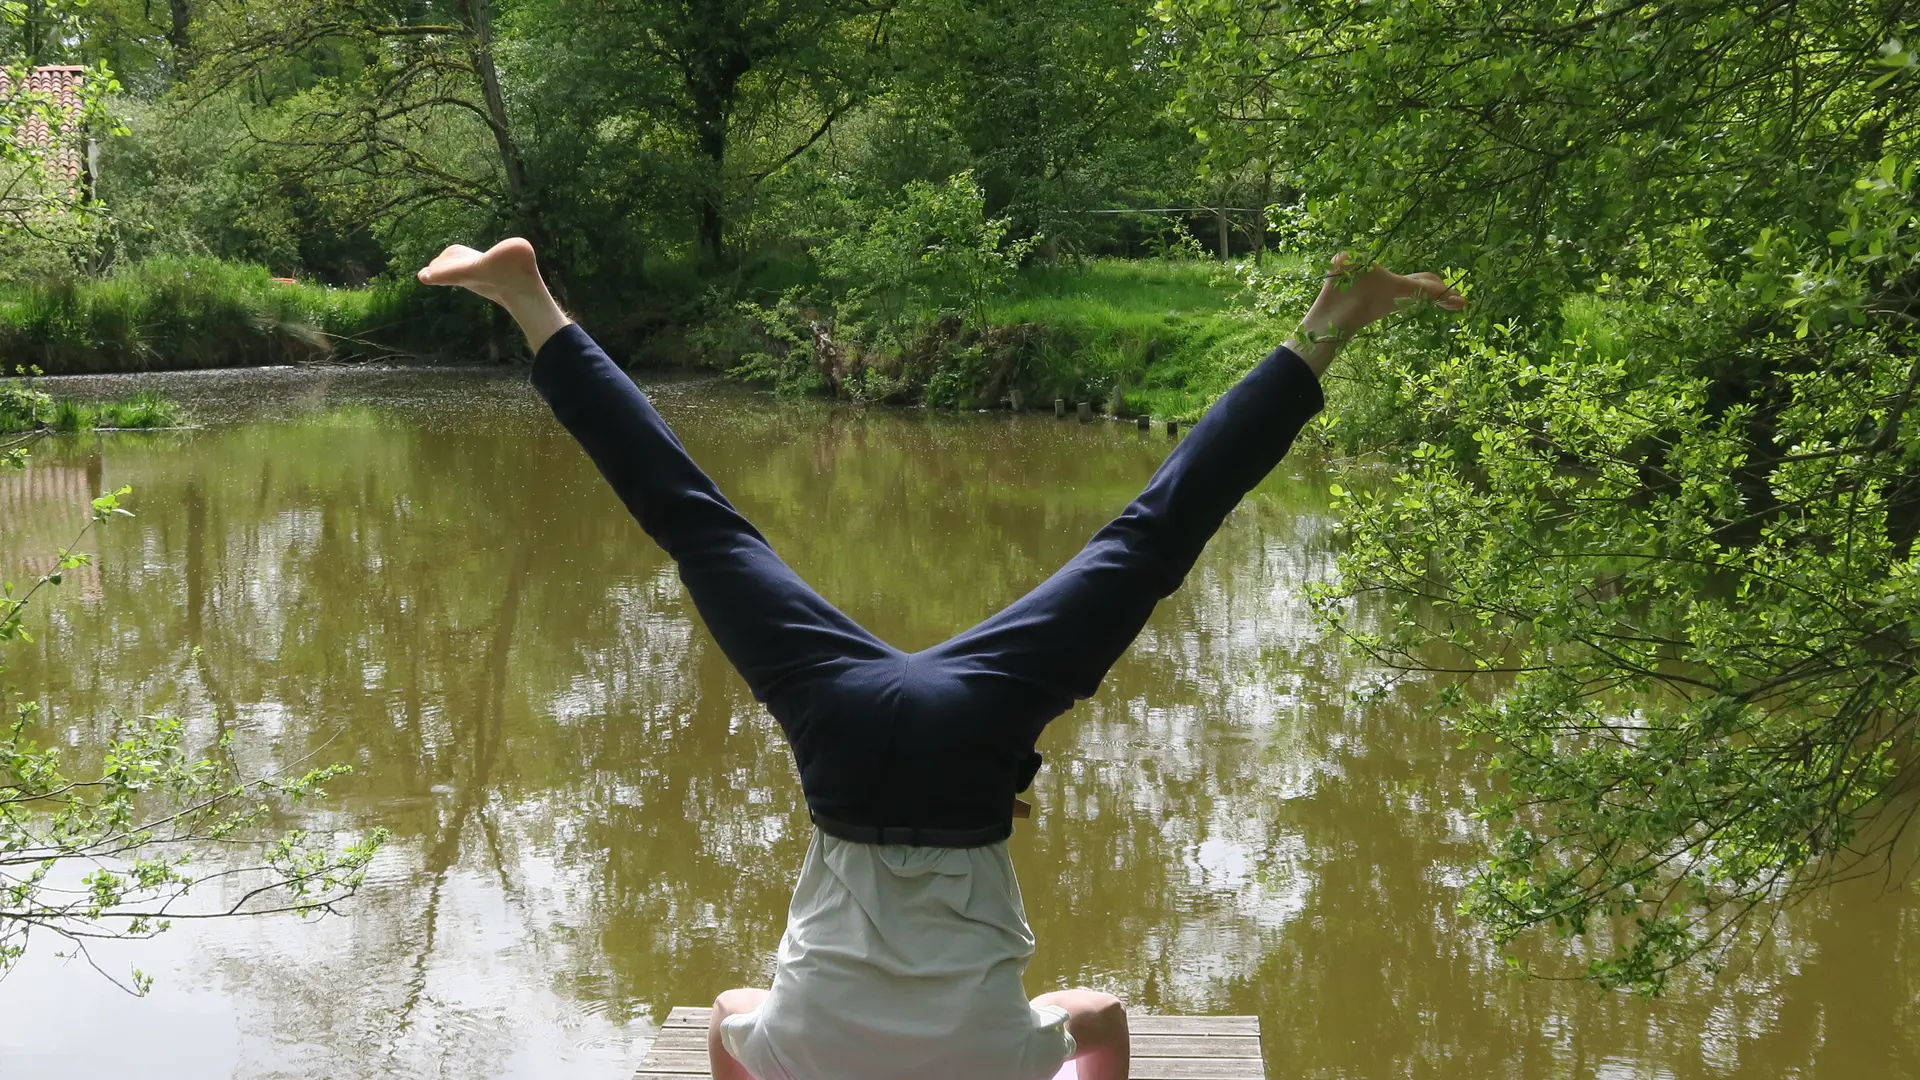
(23, 407)
(1170, 335)
(1160, 338)
(1166, 337)
(170, 314)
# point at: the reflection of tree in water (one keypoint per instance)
(472, 794)
(535, 712)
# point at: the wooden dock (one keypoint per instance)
(1164, 1047)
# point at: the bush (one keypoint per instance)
(1168, 335)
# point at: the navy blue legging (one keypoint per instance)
(928, 747)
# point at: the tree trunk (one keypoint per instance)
(480, 52)
(1226, 238)
(712, 211)
(32, 34)
(1266, 200)
(179, 37)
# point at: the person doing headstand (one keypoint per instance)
(907, 938)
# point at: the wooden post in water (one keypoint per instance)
(1016, 399)
(1059, 408)
(1145, 423)
(1086, 412)
(1173, 428)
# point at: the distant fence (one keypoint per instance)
(1248, 221)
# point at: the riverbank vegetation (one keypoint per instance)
(26, 408)
(1133, 337)
(1648, 510)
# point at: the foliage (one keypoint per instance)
(873, 329)
(1168, 333)
(375, 113)
(934, 241)
(168, 197)
(110, 853)
(722, 96)
(197, 312)
(23, 406)
(1056, 108)
(1653, 502)
(685, 144)
(26, 408)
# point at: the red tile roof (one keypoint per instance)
(60, 84)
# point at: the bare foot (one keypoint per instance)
(506, 274)
(1369, 295)
(1353, 299)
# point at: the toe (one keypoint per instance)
(1435, 288)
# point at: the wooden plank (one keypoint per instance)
(1200, 1046)
(1197, 1069)
(1143, 1069)
(679, 1061)
(1144, 1046)
(696, 1016)
(1164, 1047)
(1193, 1025)
(681, 1038)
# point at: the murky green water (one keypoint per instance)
(419, 574)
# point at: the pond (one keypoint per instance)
(419, 574)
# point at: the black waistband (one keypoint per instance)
(912, 836)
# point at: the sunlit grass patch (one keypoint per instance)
(172, 313)
(1171, 334)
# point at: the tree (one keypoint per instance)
(1059, 108)
(725, 92)
(393, 112)
(1654, 504)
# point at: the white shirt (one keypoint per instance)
(902, 962)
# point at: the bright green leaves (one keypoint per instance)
(1894, 54)
(931, 241)
(890, 267)
(1680, 519)
(1661, 480)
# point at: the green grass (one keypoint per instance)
(1171, 334)
(143, 410)
(1122, 296)
(24, 408)
(192, 313)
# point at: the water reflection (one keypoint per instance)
(593, 821)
